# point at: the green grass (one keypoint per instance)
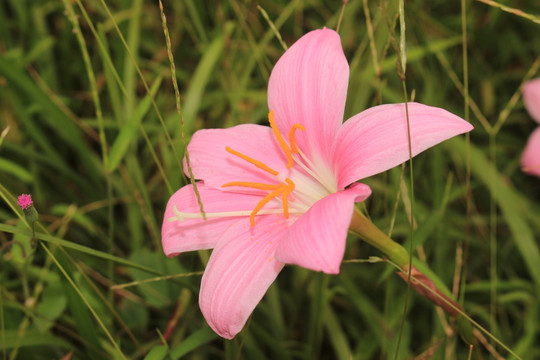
(95, 136)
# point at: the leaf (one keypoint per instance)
(127, 132)
(33, 338)
(156, 293)
(202, 75)
(77, 247)
(158, 352)
(25, 88)
(52, 304)
(512, 204)
(9, 167)
(198, 338)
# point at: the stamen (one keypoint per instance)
(265, 201)
(292, 140)
(285, 199)
(257, 163)
(282, 144)
(530, 168)
(252, 185)
(283, 189)
(278, 190)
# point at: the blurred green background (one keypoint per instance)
(94, 136)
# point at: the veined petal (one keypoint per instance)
(197, 234)
(240, 270)
(211, 163)
(316, 240)
(376, 140)
(531, 97)
(530, 160)
(308, 86)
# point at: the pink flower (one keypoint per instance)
(530, 160)
(25, 201)
(285, 194)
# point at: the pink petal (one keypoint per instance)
(308, 86)
(240, 270)
(197, 234)
(317, 239)
(376, 140)
(531, 97)
(530, 160)
(211, 163)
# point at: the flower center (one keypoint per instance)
(285, 188)
(313, 180)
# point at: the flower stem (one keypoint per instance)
(398, 255)
(367, 231)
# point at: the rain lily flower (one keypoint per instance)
(285, 194)
(530, 160)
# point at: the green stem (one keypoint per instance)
(398, 255)
(367, 231)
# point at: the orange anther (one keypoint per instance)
(285, 198)
(292, 140)
(281, 189)
(265, 201)
(257, 163)
(282, 144)
(252, 185)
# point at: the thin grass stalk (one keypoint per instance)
(2, 328)
(503, 115)
(83, 298)
(402, 68)
(317, 316)
(411, 223)
(10, 200)
(102, 47)
(257, 53)
(38, 290)
(468, 192)
(101, 129)
(88, 130)
(273, 27)
(341, 13)
(107, 302)
(44, 236)
(39, 286)
(373, 48)
(109, 62)
(457, 83)
(458, 310)
(493, 238)
(145, 84)
(396, 203)
(508, 9)
(158, 278)
(179, 109)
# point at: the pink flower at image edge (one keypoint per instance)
(285, 194)
(530, 159)
(24, 201)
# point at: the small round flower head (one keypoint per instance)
(25, 201)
